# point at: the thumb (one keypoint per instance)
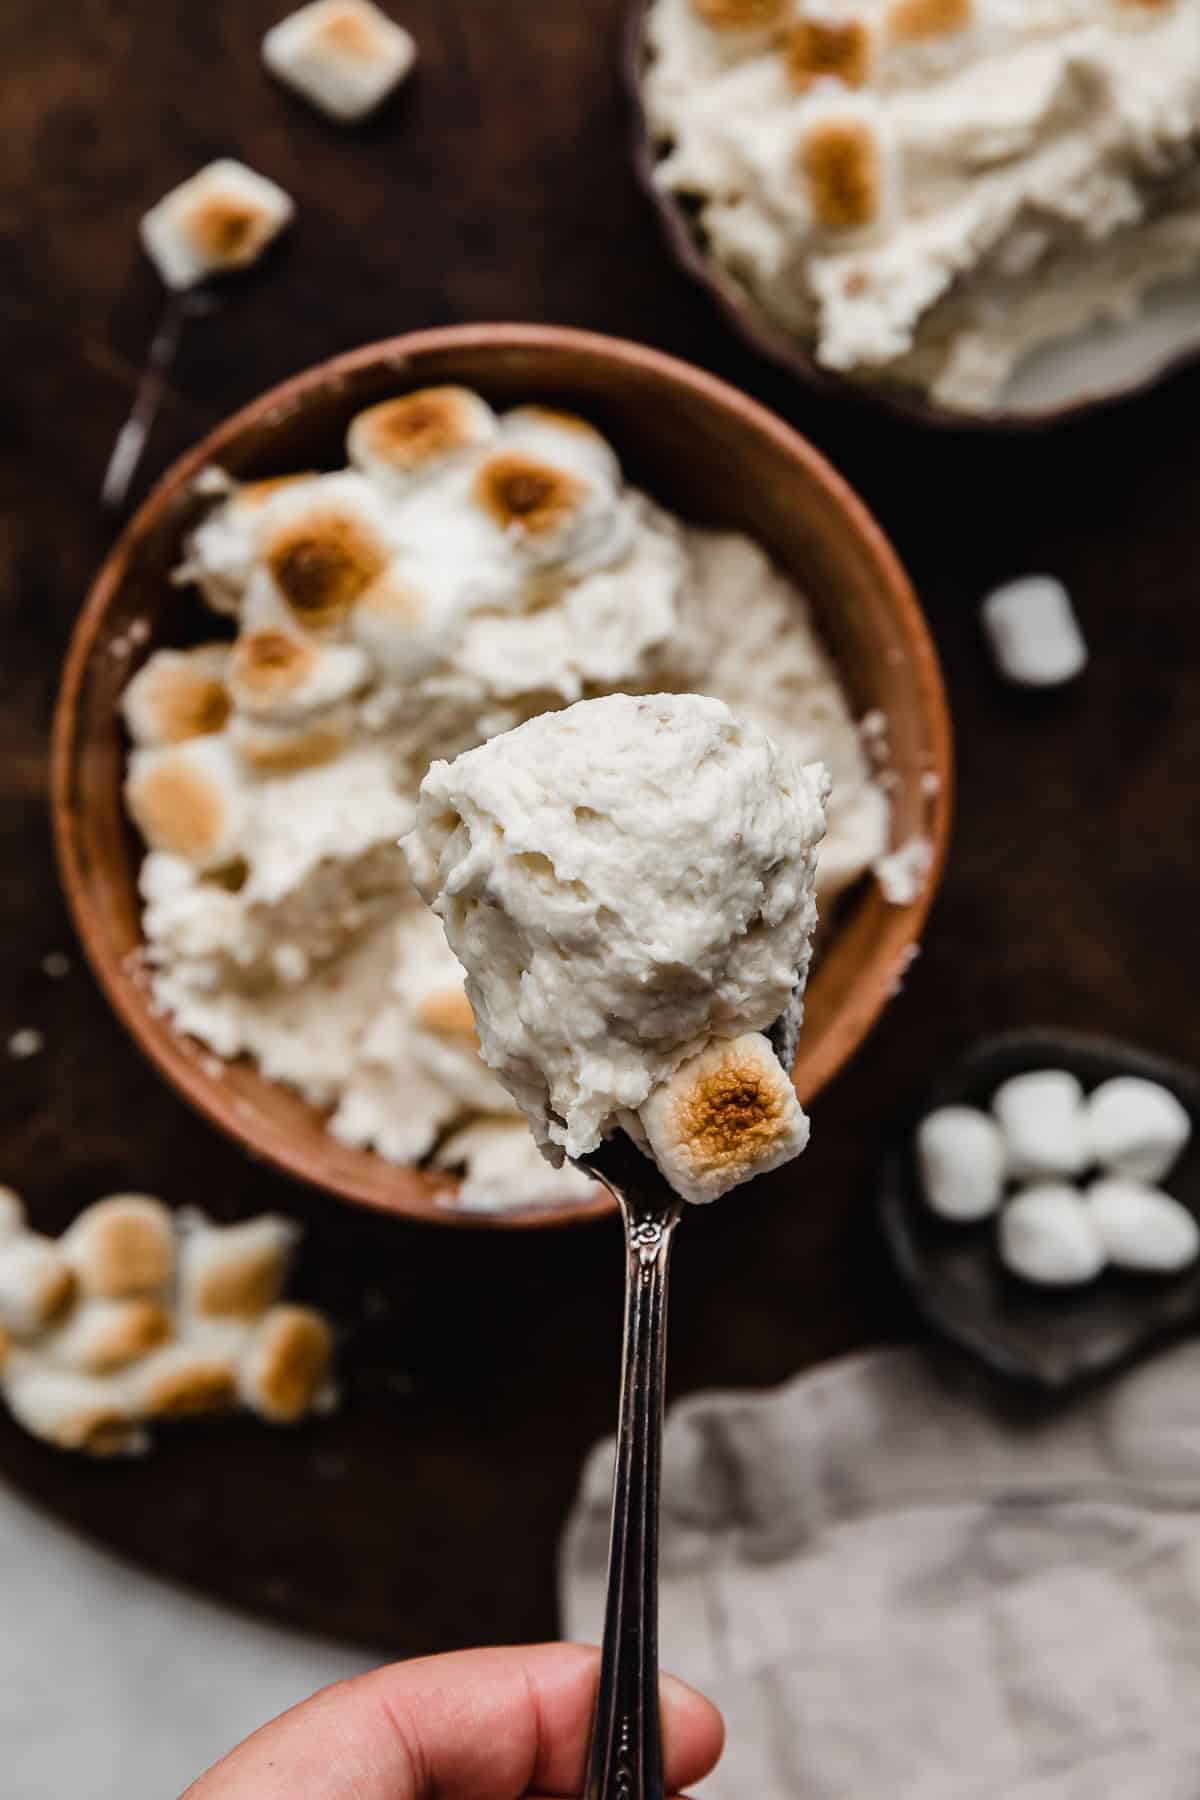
(484, 1725)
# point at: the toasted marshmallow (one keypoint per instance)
(323, 546)
(830, 48)
(962, 1159)
(222, 219)
(845, 166)
(219, 554)
(404, 440)
(1041, 1115)
(177, 695)
(104, 1335)
(74, 1411)
(1142, 1228)
(121, 1247)
(285, 1374)
(550, 514)
(281, 680)
(923, 21)
(562, 438)
(344, 55)
(12, 1214)
(741, 15)
(726, 1115)
(287, 749)
(183, 1381)
(188, 799)
(36, 1284)
(1136, 1127)
(1049, 1236)
(235, 1271)
(429, 982)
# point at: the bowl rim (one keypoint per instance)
(183, 1072)
(737, 307)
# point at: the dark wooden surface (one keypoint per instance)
(480, 1370)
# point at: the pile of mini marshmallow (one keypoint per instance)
(137, 1314)
(1042, 1137)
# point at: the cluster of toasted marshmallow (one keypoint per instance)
(926, 190)
(136, 1315)
(465, 572)
(1044, 1135)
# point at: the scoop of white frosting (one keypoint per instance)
(624, 882)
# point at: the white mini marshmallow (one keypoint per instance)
(346, 56)
(1142, 1228)
(36, 1284)
(1049, 1236)
(1042, 1117)
(962, 1159)
(189, 799)
(1136, 1127)
(177, 695)
(221, 219)
(1033, 632)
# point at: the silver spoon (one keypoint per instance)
(626, 1755)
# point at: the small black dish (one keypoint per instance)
(1051, 1340)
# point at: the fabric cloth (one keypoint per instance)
(894, 1594)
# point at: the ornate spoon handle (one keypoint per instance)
(626, 1755)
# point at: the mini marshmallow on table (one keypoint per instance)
(345, 56)
(1033, 632)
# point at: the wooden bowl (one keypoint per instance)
(700, 447)
(1089, 372)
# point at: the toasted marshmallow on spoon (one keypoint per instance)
(177, 695)
(73, 1411)
(189, 799)
(285, 1372)
(281, 679)
(629, 885)
(121, 1246)
(404, 442)
(220, 220)
(344, 56)
(726, 1115)
(37, 1284)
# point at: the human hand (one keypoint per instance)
(484, 1725)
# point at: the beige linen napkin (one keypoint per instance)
(895, 1595)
